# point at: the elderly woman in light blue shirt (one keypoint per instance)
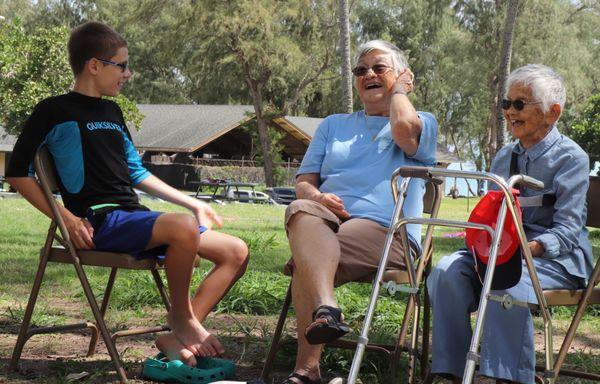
(554, 222)
(338, 225)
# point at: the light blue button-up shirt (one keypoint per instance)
(563, 167)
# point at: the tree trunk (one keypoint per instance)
(265, 145)
(345, 48)
(504, 70)
(263, 136)
(491, 133)
(255, 86)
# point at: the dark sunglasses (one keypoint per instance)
(122, 65)
(378, 69)
(518, 104)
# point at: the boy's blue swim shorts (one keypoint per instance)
(128, 232)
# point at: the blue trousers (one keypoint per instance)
(507, 345)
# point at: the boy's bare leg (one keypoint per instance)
(230, 257)
(180, 233)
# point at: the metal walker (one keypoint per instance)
(398, 225)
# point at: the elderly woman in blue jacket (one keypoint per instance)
(554, 226)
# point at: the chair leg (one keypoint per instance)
(428, 379)
(426, 330)
(405, 323)
(414, 340)
(399, 348)
(23, 331)
(108, 290)
(105, 300)
(110, 346)
(277, 335)
(161, 289)
(160, 328)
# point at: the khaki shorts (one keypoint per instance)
(361, 243)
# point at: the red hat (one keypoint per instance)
(508, 262)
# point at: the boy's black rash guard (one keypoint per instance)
(94, 156)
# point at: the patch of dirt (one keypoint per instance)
(49, 358)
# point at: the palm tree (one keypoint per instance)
(345, 48)
(504, 69)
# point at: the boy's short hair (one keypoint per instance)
(92, 40)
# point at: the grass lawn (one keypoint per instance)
(244, 319)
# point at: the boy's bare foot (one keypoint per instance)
(172, 348)
(195, 337)
(214, 343)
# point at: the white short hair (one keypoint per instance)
(546, 85)
(399, 60)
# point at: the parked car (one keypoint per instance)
(248, 196)
(282, 195)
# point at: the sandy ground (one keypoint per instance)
(50, 358)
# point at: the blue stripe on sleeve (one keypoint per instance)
(31, 170)
(137, 172)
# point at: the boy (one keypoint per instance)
(98, 167)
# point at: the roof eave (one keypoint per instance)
(292, 129)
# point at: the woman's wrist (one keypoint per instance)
(400, 89)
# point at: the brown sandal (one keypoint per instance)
(327, 325)
(303, 379)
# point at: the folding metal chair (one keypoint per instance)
(581, 298)
(545, 298)
(65, 252)
(393, 280)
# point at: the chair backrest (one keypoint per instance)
(593, 202)
(593, 216)
(431, 206)
(44, 168)
(429, 197)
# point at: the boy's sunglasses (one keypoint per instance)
(378, 69)
(122, 65)
(518, 104)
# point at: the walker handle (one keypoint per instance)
(530, 182)
(419, 172)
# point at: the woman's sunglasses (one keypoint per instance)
(378, 69)
(518, 104)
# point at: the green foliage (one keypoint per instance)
(454, 50)
(275, 44)
(43, 317)
(33, 66)
(189, 52)
(132, 290)
(259, 242)
(586, 129)
(130, 111)
(278, 48)
(260, 293)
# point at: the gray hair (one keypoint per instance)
(546, 85)
(399, 60)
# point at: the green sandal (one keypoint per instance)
(207, 370)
